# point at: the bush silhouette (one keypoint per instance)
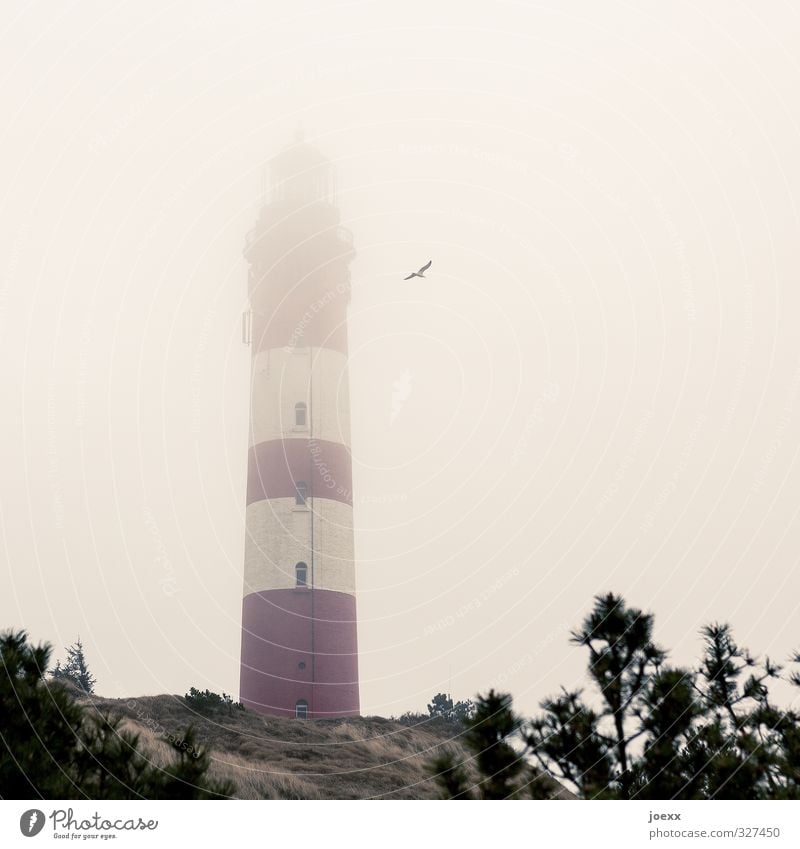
(53, 747)
(650, 731)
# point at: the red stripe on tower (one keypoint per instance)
(299, 633)
(274, 468)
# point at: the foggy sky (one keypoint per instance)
(597, 387)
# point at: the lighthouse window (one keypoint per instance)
(301, 575)
(300, 410)
(301, 492)
(301, 709)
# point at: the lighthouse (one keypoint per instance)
(299, 643)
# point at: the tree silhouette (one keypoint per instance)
(649, 730)
(443, 707)
(76, 669)
(53, 747)
(655, 731)
(496, 767)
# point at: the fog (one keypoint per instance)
(596, 388)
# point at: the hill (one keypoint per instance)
(275, 758)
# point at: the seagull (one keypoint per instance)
(421, 272)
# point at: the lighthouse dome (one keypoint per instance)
(300, 175)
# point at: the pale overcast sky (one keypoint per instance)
(599, 383)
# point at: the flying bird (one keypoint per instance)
(421, 272)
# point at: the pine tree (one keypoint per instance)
(443, 707)
(53, 747)
(660, 732)
(76, 669)
(496, 757)
(649, 731)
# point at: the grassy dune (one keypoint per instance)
(272, 758)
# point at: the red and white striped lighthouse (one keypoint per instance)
(299, 650)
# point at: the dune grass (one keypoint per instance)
(276, 758)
